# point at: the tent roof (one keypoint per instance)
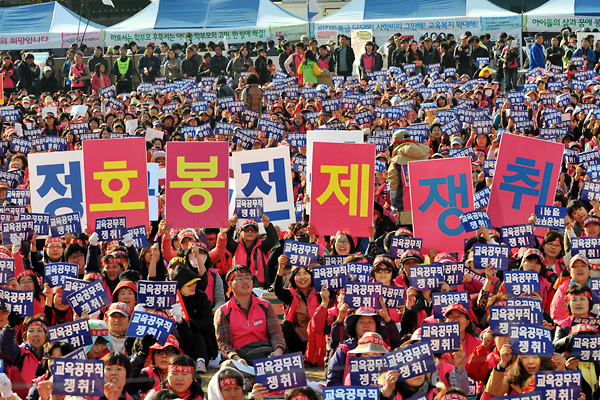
(207, 14)
(562, 7)
(41, 18)
(361, 10)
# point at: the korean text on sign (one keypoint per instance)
(90, 298)
(56, 273)
(301, 254)
(494, 254)
(77, 333)
(363, 294)
(20, 301)
(351, 392)
(157, 295)
(426, 276)
(528, 339)
(411, 361)
(281, 373)
(111, 228)
(78, 377)
(442, 300)
(518, 235)
(143, 323)
(558, 385)
(400, 244)
(517, 283)
(443, 337)
(330, 276)
(365, 371)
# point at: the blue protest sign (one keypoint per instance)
(535, 305)
(77, 333)
(139, 235)
(41, 222)
(300, 254)
(593, 171)
(204, 131)
(551, 134)
(441, 301)
(588, 247)
(502, 317)
(223, 128)
(78, 377)
(312, 117)
(245, 138)
(571, 156)
(400, 244)
(143, 323)
(517, 283)
(7, 270)
(449, 72)
(249, 115)
(365, 371)
(330, 276)
(297, 139)
(78, 354)
(23, 229)
(550, 216)
(529, 339)
(455, 272)
(333, 260)
(281, 372)
(518, 235)
(380, 166)
(330, 105)
(586, 348)
(19, 145)
(466, 152)
(20, 301)
(363, 294)
(158, 295)
(275, 130)
(19, 197)
(34, 133)
(419, 132)
(363, 117)
(299, 164)
(481, 198)
(114, 104)
(426, 276)
(10, 178)
(537, 395)
(590, 191)
(393, 296)
(67, 223)
(515, 97)
(465, 116)
(249, 208)
(446, 115)
(235, 106)
(350, 392)
(395, 112)
(411, 361)
(72, 285)
(559, 384)
(112, 228)
(91, 298)
(55, 273)
(552, 116)
(358, 272)
(563, 100)
(10, 115)
(472, 220)
(489, 168)
(589, 158)
(443, 337)
(381, 143)
(494, 254)
(199, 106)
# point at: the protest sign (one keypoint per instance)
(266, 174)
(411, 361)
(197, 183)
(440, 192)
(471, 221)
(517, 283)
(7, 270)
(77, 333)
(363, 295)
(523, 179)
(365, 371)
(358, 272)
(586, 348)
(90, 298)
(111, 228)
(518, 235)
(529, 339)
(72, 285)
(281, 372)
(393, 296)
(342, 181)
(300, 254)
(502, 317)
(443, 337)
(333, 260)
(55, 273)
(21, 229)
(19, 197)
(20, 301)
(426, 276)
(139, 236)
(249, 208)
(67, 223)
(559, 385)
(78, 377)
(157, 295)
(494, 254)
(330, 276)
(455, 272)
(350, 392)
(481, 198)
(400, 244)
(550, 216)
(441, 300)
(143, 323)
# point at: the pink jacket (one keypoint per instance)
(99, 83)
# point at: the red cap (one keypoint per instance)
(186, 233)
(383, 259)
(249, 222)
(120, 308)
(534, 252)
(458, 307)
(592, 219)
(403, 232)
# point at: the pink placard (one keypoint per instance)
(526, 175)
(116, 180)
(197, 184)
(343, 176)
(440, 192)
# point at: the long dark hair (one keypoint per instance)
(308, 55)
(187, 361)
(519, 375)
(97, 70)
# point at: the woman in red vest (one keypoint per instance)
(301, 301)
(151, 377)
(117, 373)
(181, 380)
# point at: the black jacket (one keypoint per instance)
(218, 65)
(189, 67)
(349, 58)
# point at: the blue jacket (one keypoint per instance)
(588, 55)
(537, 57)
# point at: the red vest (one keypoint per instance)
(210, 288)
(258, 260)
(153, 375)
(312, 303)
(247, 330)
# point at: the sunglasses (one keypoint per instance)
(167, 352)
(250, 229)
(387, 270)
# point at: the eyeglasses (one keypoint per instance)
(383, 270)
(54, 246)
(165, 352)
(75, 256)
(342, 242)
(456, 317)
(242, 279)
(250, 229)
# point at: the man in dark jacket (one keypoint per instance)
(399, 55)
(261, 66)
(98, 58)
(344, 57)
(189, 65)
(29, 74)
(325, 59)
(477, 52)
(218, 63)
(462, 56)
(287, 50)
(148, 65)
(555, 53)
(430, 53)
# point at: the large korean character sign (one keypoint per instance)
(57, 184)
(523, 178)
(197, 183)
(441, 191)
(267, 173)
(116, 180)
(343, 175)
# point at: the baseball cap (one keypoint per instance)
(249, 222)
(119, 307)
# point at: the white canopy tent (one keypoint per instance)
(556, 14)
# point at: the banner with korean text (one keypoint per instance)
(266, 174)
(439, 196)
(523, 178)
(342, 188)
(57, 184)
(197, 189)
(116, 180)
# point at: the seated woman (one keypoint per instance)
(117, 373)
(54, 350)
(151, 376)
(181, 379)
(393, 388)
(228, 384)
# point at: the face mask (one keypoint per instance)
(26, 106)
(203, 257)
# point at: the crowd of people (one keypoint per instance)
(220, 318)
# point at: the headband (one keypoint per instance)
(99, 332)
(226, 381)
(300, 396)
(453, 396)
(118, 253)
(236, 273)
(54, 240)
(38, 323)
(114, 260)
(94, 276)
(584, 294)
(182, 369)
(302, 230)
(78, 241)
